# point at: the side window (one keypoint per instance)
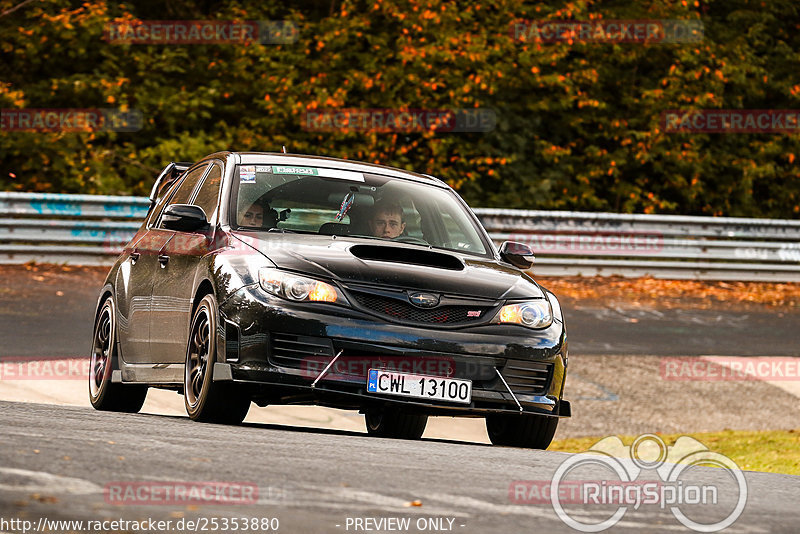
(209, 191)
(184, 191)
(155, 213)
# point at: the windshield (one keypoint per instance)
(323, 201)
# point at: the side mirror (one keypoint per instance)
(517, 254)
(184, 218)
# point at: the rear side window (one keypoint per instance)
(184, 191)
(209, 191)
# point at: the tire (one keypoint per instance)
(205, 400)
(103, 394)
(395, 423)
(527, 431)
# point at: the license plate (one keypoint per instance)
(419, 386)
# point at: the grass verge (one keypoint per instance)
(770, 451)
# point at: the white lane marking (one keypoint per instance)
(546, 512)
(26, 434)
(43, 482)
(477, 505)
(342, 498)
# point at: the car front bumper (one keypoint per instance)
(279, 351)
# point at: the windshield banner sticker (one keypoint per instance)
(314, 171)
(342, 175)
(280, 169)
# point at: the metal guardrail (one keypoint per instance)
(67, 229)
(91, 230)
(661, 246)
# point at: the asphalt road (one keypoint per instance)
(64, 463)
(52, 317)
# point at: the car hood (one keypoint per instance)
(400, 266)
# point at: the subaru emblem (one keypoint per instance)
(424, 300)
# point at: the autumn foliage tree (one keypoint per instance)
(578, 124)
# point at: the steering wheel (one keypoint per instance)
(412, 240)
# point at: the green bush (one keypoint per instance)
(578, 125)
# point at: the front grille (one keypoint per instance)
(403, 311)
(527, 377)
(299, 352)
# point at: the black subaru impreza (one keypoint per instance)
(287, 279)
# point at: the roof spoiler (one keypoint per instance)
(170, 173)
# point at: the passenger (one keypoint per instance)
(387, 220)
(253, 216)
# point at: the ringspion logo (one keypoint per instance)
(646, 473)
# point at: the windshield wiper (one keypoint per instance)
(288, 231)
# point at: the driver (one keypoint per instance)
(387, 220)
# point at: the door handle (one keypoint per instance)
(135, 257)
(163, 259)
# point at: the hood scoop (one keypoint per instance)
(410, 256)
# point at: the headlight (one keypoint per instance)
(298, 288)
(533, 314)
